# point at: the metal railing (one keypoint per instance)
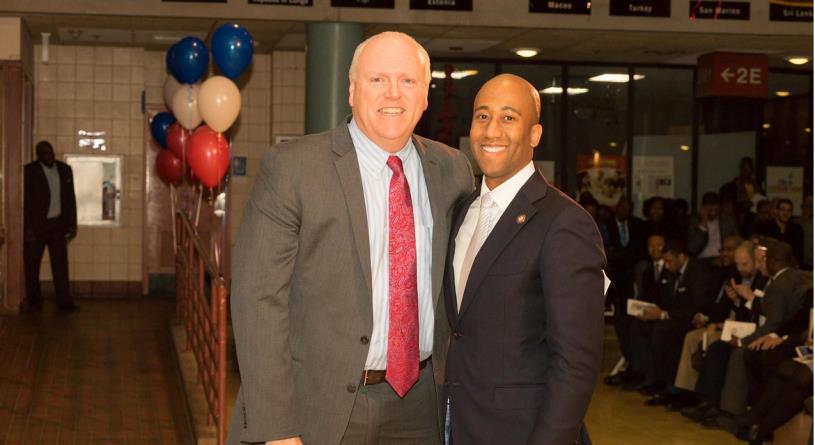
(201, 294)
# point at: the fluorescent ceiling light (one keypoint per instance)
(460, 74)
(559, 90)
(782, 93)
(798, 60)
(614, 78)
(526, 52)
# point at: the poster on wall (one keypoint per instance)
(718, 10)
(380, 4)
(601, 176)
(640, 8)
(561, 6)
(442, 5)
(651, 176)
(791, 10)
(282, 2)
(786, 182)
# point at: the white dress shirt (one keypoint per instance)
(52, 178)
(714, 240)
(376, 177)
(502, 196)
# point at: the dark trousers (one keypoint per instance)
(712, 377)
(656, 348)
(783, 398)
(379, 416)
(51, 235)
(619, 293)
(761, 365)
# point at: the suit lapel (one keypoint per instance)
(450, 277)
(510, 223)
(433, 182)
(347, 167)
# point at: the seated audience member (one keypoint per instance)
(590, 205)
(753, 221)
(731, 303)
(778, 385)
(656, 219)
(707, 230)
(658, 333)
(741, 190)
(723, 378)
(784, 229)
(806, 224)
(679, 216)
(647, 277)
(624, 250)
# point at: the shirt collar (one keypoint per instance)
(373, 158)
(505, 193)
(684, 266)
(47, 167)
(777, 274)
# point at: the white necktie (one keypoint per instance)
(486, 215)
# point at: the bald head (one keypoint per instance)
(517, 85)
(391, 39)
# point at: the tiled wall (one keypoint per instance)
(99, 89)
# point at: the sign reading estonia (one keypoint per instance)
(640, 8)
(731, 75)
(381, 4)
(791, 10)
(719, 10)
(283, 2)
(443, 5)
(561, 6)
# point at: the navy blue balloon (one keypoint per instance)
(170, 55)
(159, 125)
(188, 60)
(232, 49)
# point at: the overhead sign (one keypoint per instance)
(561, 6)
(442, 5)
(196, 1)
(718, 10)
(380, 4)
(282, 2)
(791, 10)
(732, 75)
(640, 8)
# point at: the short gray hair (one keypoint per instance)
(422, 53)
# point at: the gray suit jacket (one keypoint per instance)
(782, 301)
(697, 238)
(301, 285)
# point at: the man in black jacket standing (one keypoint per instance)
(49, 220)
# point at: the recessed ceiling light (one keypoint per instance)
(615, 78)
(807, 130)
(798, 60)
(612, 144)
(526, 52)
(684, 147)
(559, 90)
(782, 93)
(459, 74)
(765, 126)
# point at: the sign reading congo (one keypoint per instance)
(732, 75)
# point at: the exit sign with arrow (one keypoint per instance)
(732, 75)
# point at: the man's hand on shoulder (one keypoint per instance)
(290, 441)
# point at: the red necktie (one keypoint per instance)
(403, 330)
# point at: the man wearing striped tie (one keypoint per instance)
(340, 329)
(524, 288)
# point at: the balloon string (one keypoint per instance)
(198, 207)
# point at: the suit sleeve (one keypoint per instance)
(698, 288)
(28, 199)
(70, 198)
(264, 256)
(571, 264)
(697, 238)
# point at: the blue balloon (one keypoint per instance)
(170, 55)
(159, 125)
(188, 60)
(232, 49)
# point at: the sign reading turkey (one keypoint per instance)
(732, 75)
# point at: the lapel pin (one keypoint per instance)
(521, 218)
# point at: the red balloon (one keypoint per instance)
(170, 168)
(177, 138)
(208, 155)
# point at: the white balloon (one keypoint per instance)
(185, 106)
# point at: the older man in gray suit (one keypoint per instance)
(338, 269)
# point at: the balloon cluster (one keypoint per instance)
(216, 102)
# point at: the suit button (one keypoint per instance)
(364, 340)
(351, 388)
